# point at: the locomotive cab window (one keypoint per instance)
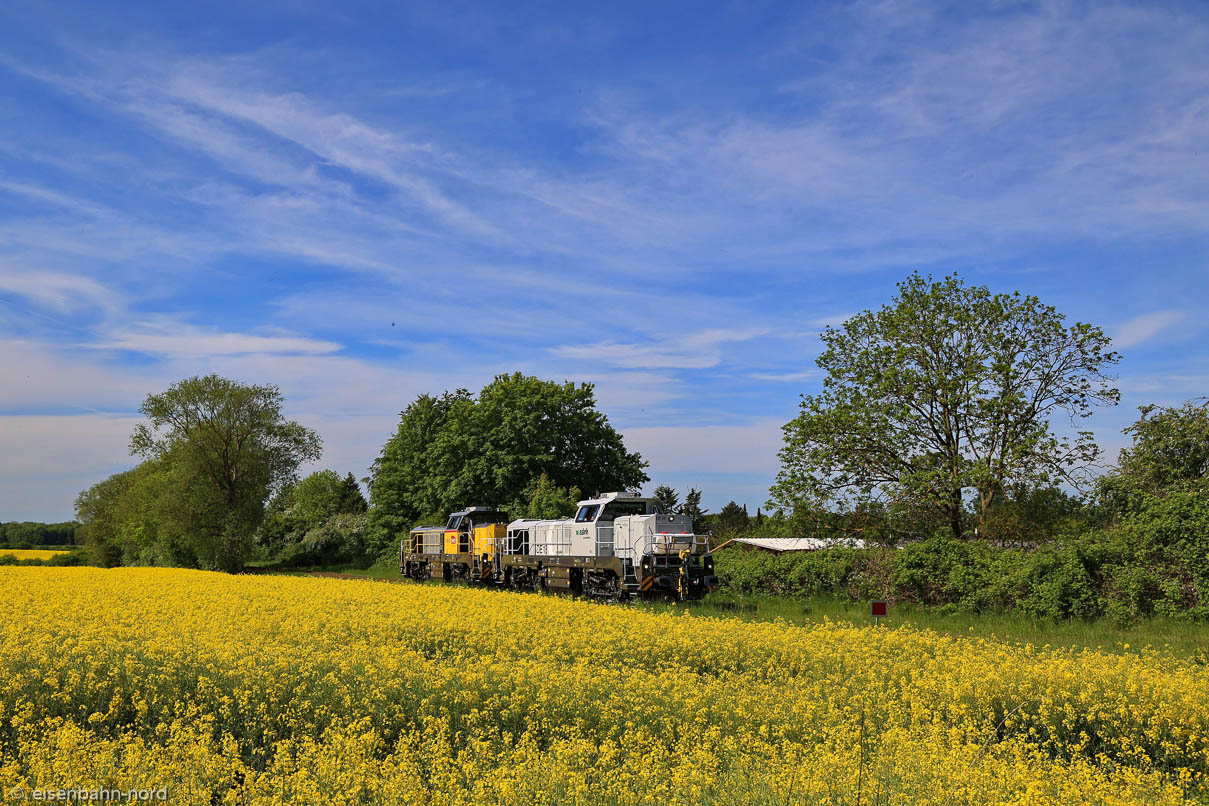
(615, 509)
(587, 514)
(454, 521)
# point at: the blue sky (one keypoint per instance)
(366, 202)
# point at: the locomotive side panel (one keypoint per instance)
(551, 538)
(427, 541)
(488, 538)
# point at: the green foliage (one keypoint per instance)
(38, 534)
(129, 518)
(340, 538)
(213, 452)
(404, 478)
(692, 504)
(281, 525)
(732, 519)
(324, 494)
(1155, 562)
(222, 448)
(1142, 551)
(70, 558)
(101, 509)
(668, 498)
(543, 499)
(797, 574)
(1026, 515)
(946, 392)
(453, 451)
(319, 520)
(1169, 537)
(1170, 451)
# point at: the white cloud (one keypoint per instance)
(164, 336)
(697, 350)
(1143, 328)
(782, 376)
(835, 320)
(39, 376)
(63, 293)
(927, 137)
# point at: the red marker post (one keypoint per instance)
(879, 610)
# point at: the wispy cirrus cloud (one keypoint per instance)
(171, 338)
(782, 377)
(668, 227)
(689, 351)
(1143, 328)
(64, 293)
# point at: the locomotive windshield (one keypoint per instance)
(615, 509)
(587, 514)
(454, 521)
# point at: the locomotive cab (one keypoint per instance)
(474, 530)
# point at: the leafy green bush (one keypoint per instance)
(338, 540)
(1058, 584)
(71, 558)
(1154, 561)
(802, 574)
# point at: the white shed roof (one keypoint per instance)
(794, 543)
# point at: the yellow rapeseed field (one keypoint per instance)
(31, 554)
(265, 690)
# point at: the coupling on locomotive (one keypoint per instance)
(618, 546)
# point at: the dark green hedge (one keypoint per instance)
(1154, 561)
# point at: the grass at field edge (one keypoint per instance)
(1175, 637)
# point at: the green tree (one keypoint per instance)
(454, 451)
(227, 447)
(281, 525)
(692, 504)
(339, 539)
(1170, 451)
(299, 509)
(947, 391)
(668, 498)
(543, 499)
(352, 500)
(142, 516)
(404, 482)
(323, 494)
(100, 512)
(38, 534)
(1025, 515)
(732, 518)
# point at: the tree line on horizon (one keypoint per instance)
(935, 420)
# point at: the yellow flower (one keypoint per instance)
(270, 690)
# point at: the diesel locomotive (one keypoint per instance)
(618, 546)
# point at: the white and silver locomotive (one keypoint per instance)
(618, 545)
